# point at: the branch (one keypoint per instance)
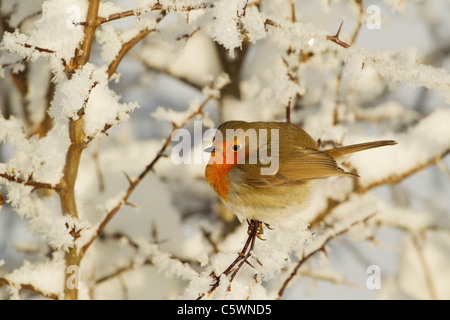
(321, 247)
(124, 50)
(29, 287)
(134, 183)
(396, 178)
(392, 179)
(9, 64)
(155, 7)
(336, 39)
(77, 141)
(83, 52)
(29, 182)
(426, 269)
(116, 16)
(29, 46)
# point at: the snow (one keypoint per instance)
(45, 276)
(224, 27)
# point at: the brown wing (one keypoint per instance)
(299, 165)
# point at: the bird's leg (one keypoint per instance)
(255, 229)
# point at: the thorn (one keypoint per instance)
(200, 296)
(130, 204)
(246, 261)
(268, 226)
(260, 238)
(128, 178)
(324, 251)
(154, 232)
(336, 39)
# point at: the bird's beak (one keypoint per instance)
(210, 149)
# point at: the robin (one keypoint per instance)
(256, 190)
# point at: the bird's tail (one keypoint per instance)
(342, 153)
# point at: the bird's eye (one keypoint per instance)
(236, 147)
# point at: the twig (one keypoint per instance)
(98, 169)
(308, 255)
(396, 178)
(336, 39)
(134, 183)
(392, 179)
(155, 7)
(29, 182)
(29, 287)
(115, 16)
(9, 64)
(270, 23)
(341, 69)
(124, 50)
(29, 46)
(77, 142)
(254, 230)
(426, 269)
(288, 112)
(207, 236)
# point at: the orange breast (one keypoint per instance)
(216, 175)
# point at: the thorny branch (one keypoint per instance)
(29, 287)
(77, 142)
(124, 50)
(394, 179)
(29, 182)
(254, 231)
(134, 183)
(336, 39)
(320, 248)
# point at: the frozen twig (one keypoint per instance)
(318, 248)
(336, 39)
(29, 182)
(394, 179)
(425, 267)
(77, 142)
(155, 7)
(134, 183)
(124, 50)
(26, 286)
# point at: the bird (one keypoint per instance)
(254, 189)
